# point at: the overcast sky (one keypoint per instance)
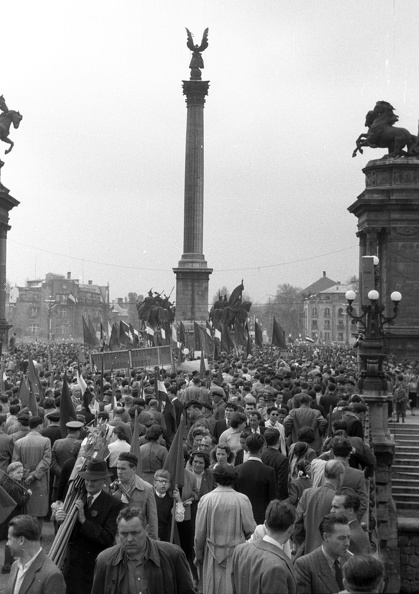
(98, 164)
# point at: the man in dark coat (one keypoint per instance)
(275, 459)
(255, 479)
(320, 572)
(139, 564)
(95, 530)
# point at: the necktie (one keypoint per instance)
(89, 501)
(338, 574)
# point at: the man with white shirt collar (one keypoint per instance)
(33, 572)
(320, 572)
(262, 566)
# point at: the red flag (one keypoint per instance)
(23, 393)
(67, 410)
(202, 368)
(249, 342)
(135, 445)
(258, 335)
(32, 404)
(175, 460)
(89, 338)
(34, 381)
(197, 337)
(7, 505)
(278, 336)
(226, 341)
(114, 338)
(240, 334)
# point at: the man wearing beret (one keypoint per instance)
(94, 531)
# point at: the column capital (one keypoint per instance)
(195, 91)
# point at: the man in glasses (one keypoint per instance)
(140, 564)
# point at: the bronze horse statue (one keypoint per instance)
(155, 310)
(6, 119)
(382, 134)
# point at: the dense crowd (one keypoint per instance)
(273, 494)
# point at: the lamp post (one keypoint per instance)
(372, 322)
(51, 304)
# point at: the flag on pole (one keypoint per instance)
(23, 393)
(258, 335)
(197, 337)
(175, 461)
(92, 330)
(67, 410)
(236, 296)
(35, 381)
(80, 380)
(32, 404)
(89, 338)
(7, 505)
(226, 342)
(135, 444)
(182, 333)
(114, 338)
(202, 368)
(240, 334)
(278, 336)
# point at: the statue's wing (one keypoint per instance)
(204, 42)
(189, 43)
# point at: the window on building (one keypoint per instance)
(327, 312)
(327, 324)
(340, 312)
(33, 328)
(34, 312)
(314, 312)
(314, 324)
(314, 335)
(340, 326)
(62, 312)
(340, 337)
(327, 336)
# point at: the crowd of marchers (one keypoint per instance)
(274, 493)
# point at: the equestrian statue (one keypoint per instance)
(383, 134)
(8, 117)
(155, 310)
(228, 311)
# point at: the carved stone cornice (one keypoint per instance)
(195, 91)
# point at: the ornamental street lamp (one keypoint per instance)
(372, 322)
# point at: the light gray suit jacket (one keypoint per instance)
(42, 577)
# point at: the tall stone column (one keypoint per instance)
(192, 273)
(7, 202)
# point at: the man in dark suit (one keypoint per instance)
(314, 504)
(42, 576)
(261, 566)
(275, 459)
(353, 478)
(320, 572)
(223, 425)
(354, 419)
(255, 479)
(95, 530)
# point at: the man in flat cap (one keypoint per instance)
(94, 531)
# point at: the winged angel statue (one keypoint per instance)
(197, 62)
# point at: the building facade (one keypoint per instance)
(53, 307)
(325, 316)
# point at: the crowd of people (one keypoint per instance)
(274, 490)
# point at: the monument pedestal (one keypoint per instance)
(7, 202)
(388, 227)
